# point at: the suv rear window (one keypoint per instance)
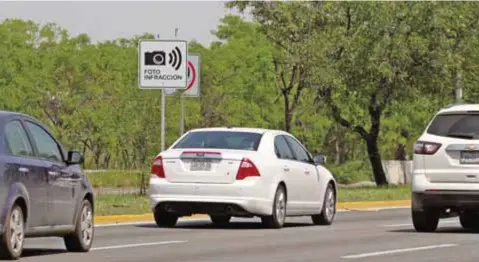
(461, 125)
(221, 140)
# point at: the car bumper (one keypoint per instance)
(244, 198)
(446, 199)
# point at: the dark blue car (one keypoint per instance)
(44, 191)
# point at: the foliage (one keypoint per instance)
(354, 81)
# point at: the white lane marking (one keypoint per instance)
(207, 219)
(138, 245)
(446, 221)
(394, 251)
(147, 222)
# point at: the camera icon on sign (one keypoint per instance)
(155, 58)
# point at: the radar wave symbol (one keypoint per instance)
(175, 58)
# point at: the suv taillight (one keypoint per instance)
(157, 167)
(426, 148)
(246, 169)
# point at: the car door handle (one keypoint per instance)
(53, 173)
(306, 172)
(23, 169)
(286, 169)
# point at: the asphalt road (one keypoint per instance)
(372, 236)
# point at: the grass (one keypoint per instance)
(402, 192)
(117, 179)
(137, 204)
(121, 204)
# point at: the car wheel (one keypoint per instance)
(164, 218)
(276, 220)
(426, 220)
(82, 238)
(14, 236)
(220, 219)
(469, 220)
(329, 208)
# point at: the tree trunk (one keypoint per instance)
(375, 160)
(288, 116)
(338, 151)
(400, 153)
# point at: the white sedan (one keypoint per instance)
(240, 172)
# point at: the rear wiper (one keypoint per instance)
(462, 135)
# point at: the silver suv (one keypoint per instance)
(43, 191)
(445, 181)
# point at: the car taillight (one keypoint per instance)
(246, 169)
(157, 167)
(426, 148)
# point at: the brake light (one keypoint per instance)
(246, 169)
(201, 153)
(157, 167)
(426, 148)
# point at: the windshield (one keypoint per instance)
(220, 140)
(464, 125)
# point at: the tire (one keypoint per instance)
(425, 221)
(329, 208)
(82, 238)
(164, 219)
(276, 220)
(14, 226)
(469, 220)
(220, 220)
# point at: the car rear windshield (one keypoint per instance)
(463, 125)
(221, 140)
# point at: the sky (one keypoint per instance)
(109, 20)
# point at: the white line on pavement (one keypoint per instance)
(448, 221)
(147, 222)
(394, 251)
(207, 219)
(138, 245)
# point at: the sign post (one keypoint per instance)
(192, 88)
(162, 64)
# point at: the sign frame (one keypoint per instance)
(172, 92)
(183, 62)
(197, 78)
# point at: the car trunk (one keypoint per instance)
(202, 165)
(457, 161)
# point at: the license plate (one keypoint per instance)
(200, 165)
(470, 157)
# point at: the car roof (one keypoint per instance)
(4, 113)
(459, 108)
(238, 129)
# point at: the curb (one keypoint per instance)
(344, 205)
(373, 204)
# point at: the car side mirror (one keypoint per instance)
(75, 158)
(319, 160)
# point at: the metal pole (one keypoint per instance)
(182, 119)
(458, 85)
(182, 114)
(163, 107)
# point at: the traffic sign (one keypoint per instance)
(162, 64)
(193, 86)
